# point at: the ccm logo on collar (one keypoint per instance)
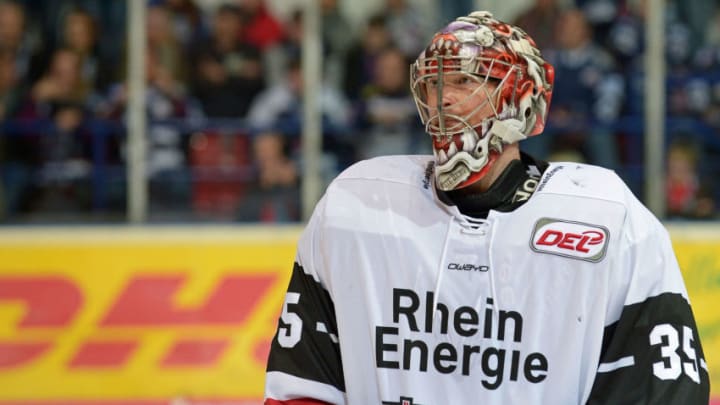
(575, 240)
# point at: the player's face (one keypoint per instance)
(465, 100)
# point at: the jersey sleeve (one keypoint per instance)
(651, 352)
(304, 366)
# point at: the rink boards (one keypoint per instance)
(184, 315)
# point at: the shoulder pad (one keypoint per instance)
(583, 180)
(405, 169)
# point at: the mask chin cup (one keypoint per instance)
(456, 171)
(507, 130)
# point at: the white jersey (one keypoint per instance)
(396, 297)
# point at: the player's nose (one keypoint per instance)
(449, 99)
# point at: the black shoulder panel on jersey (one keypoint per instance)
(652, 355)
(305, 344)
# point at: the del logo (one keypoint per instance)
(570, 239)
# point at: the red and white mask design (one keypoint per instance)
(480, 84)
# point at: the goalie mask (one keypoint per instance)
(479, 85)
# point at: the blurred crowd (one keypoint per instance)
(225, 112)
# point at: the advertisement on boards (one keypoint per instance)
(185, 316)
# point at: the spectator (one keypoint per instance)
(698, 16)
(707, 58)
(62, 84)
(280, 106)
(408, 27)
(63, 178)
(600, 14)
(626, 43)
(274, 195)
(626, 39)
(262, 29)
(166, 102)
(220, 161)
(539, 21)
(697, 94)
(187, 21)
(12, 29)
(11, 89)
(701, 90)
(47, 20)
(80, 34)
(15, 153)
(58, 149)
(277, 57)
(589, 97)
(165, 47)
(360, 60)
(18, 39)
(279, 109)
(337, 39)
(712, 32)
(687, 197)
(228, 72)
(388, 118)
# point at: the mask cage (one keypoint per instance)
(432, 75)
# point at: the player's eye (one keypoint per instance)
(462, 81)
